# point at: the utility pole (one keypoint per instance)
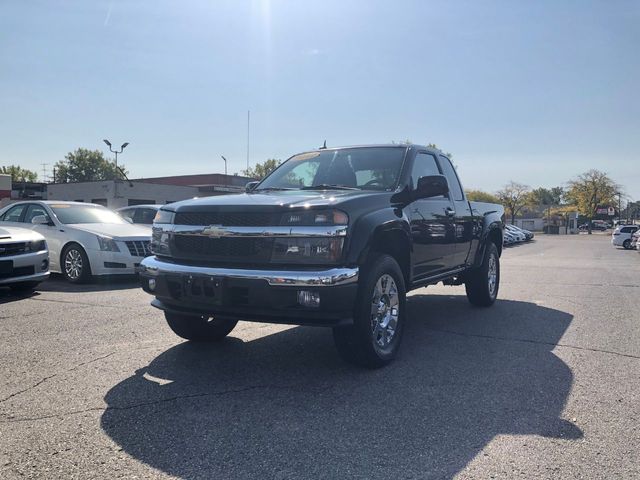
(44, 171)
(115, 180)
(248, 124)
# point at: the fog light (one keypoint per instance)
(152, 284)
(308, 298)
(45, 265)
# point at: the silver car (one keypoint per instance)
(24, 258)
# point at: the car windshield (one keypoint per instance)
(375, 168)
(71, 214)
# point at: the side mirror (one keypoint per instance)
(251, 185)
(40, 220)
(431, 186)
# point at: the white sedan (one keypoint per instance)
(84, 239)
(24, 259)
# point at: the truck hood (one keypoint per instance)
(271, 200)
(116, 231)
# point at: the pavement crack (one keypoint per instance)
(49, 377)
(539, 342)
(159, 401)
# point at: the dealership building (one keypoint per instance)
(121, 193)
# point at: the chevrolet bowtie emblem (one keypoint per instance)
(215, 231)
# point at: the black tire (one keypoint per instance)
(626, 244)
(369, 344)
(75, 253)
(24, 287)
(481, 290)
(199, 328)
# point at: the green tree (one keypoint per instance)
(19, 174)
(84, 165)
(261, 170)
(591, 190)
(546, 196)
(480, 196)
(513, 196)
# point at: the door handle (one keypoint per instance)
(449, 211)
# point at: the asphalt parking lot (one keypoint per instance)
(546, 384)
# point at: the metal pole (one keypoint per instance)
(248, 124)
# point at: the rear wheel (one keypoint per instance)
(483, 282)
(626, 244)
(199, 328)
(374, 338)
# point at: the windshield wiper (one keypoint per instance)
(326, 186)
(266, 189)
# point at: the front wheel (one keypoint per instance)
(379, 315)
(75, 264)
(199, 328)
(483, 282)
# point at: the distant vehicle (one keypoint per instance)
(24, 258)
(84, 239)
(509, 238)
(594, 226)
(516, 232)
(139, 214)
(635, 240)
(621, 237)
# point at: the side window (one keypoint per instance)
(144, 216)
(128, 213)
(423, 166)
(34, 211)
(13, 214)
(454, 184)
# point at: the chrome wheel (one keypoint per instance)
(492, 274)
(385, 310)
(73, 264)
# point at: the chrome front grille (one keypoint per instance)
(236, 219)
(139, 248)
(15, 248)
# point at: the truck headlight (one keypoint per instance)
(307, 250)
(315, 217)
(164, 216)
(159, 241)
(107, 244)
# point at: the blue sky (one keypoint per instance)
(537, 92)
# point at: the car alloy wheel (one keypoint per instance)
(492, 275)
(385, 310)
(73, 264)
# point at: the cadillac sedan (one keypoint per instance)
(84, 239)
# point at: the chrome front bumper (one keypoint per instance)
(152, 266)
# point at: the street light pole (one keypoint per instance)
(115, 180)
(225, 164)
(122, 147)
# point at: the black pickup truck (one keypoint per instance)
(332, 237)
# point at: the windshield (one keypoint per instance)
(376, 168)
(71, 214)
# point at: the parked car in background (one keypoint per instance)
(621, 237)
(508, 238)
(84, 239)
(516, 232)
(601, 227)
(635, 240)
(139, 214)
(24, 258)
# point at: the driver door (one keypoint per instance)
(52, 233)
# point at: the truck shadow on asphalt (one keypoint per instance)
(57, 283)
(285, 406)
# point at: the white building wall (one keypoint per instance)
(119, 194)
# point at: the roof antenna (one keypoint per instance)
(324, 146)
